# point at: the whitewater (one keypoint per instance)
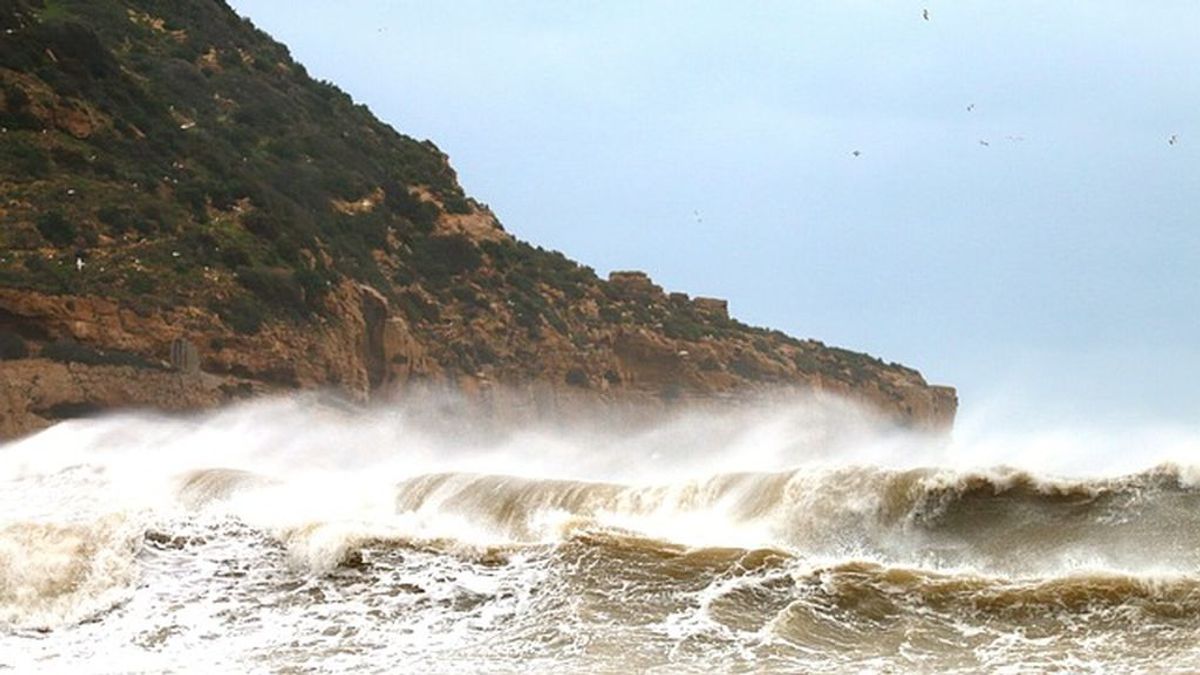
(794, 534)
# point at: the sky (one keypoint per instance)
(1017, 222)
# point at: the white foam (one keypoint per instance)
(303, 470)
(261, 502)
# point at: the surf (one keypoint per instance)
(779, 534)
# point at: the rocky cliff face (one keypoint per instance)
(186, 218)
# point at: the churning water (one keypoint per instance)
(293, 536)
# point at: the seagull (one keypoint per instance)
(857, 153)
(925, 14)
(970, 107)
(1015, 139)
(1173, 140)
(698, 218)
(983, 142)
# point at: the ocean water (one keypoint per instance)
(293, 536)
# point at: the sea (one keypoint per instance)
(297, 535)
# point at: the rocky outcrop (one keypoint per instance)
(35, 393)
(191, 360)
(633, 284)
(713, 306)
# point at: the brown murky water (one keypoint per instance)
(137, 545)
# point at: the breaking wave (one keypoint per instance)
(795, 534)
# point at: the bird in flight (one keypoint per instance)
(857, 153)
(970, 107)
(983, 142)
(1173, 140)
(925, 14)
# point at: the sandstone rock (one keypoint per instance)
(34, 393)
(633, 284)
(713, 306)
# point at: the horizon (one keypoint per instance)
(714, 149)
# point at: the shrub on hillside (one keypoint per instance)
(577, 377)
(441, 257)
(242, 314)
(275, 286)
(315, 284)
(682, 327)
(415, 308)
(16, 113)
(15, 98)
(23, 160)
(56, 228)
(12, 346)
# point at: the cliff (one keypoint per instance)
(186, 218)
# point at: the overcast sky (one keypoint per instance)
(1017, 223)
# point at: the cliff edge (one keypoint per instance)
(187, 218)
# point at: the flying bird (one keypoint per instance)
(1173, 140)
(925, 14)
(984, 142)
(970, 107)
(857, 153)
(697, 215)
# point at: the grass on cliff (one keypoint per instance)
(206, 141)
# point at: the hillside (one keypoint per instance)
(186, 218)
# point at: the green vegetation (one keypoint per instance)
(415, 308)
(12, 346)
(56, 229)
(540, 285)
(16, 114)
(439, 258)
(243, 314)
(199, 118)
(275, 287)
(680, 326)
(577, 377)
(23, 157)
